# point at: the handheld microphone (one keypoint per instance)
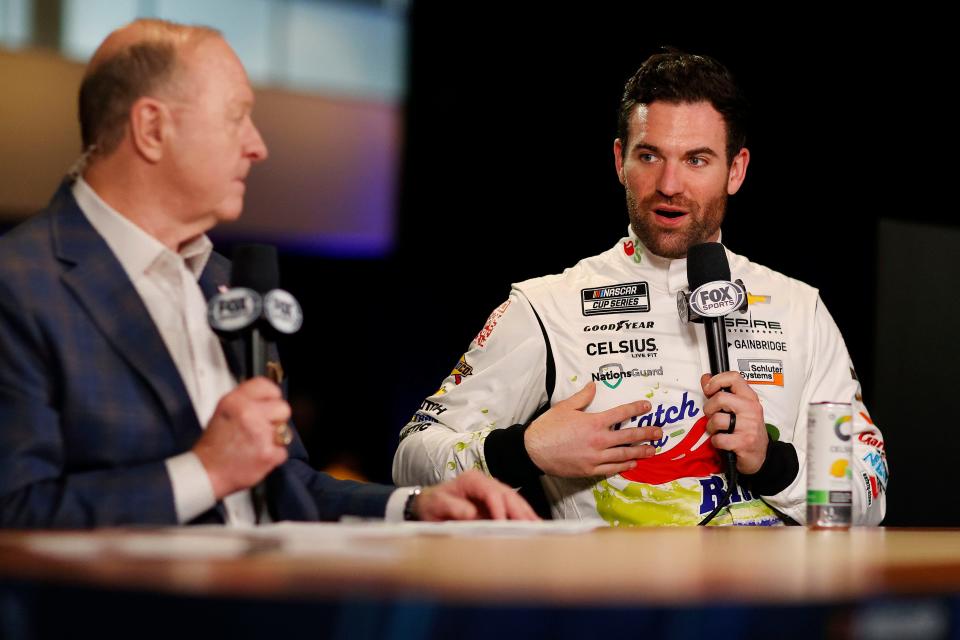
(712, 297)
(255, 309)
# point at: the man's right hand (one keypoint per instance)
(239, 446)
(568, 442)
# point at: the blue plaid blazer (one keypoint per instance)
(91, 403)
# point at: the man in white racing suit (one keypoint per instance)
(568, 356)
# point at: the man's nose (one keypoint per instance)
(669, 182)
(255, 148)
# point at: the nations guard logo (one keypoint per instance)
(611, 375)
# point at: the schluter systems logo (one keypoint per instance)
(759, 371)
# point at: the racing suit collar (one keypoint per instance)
(668, 273)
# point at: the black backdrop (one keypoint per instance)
(507, 174)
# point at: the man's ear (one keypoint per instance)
(738, 170)
(618, 160)
(147, 126)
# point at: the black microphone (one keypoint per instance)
(712, 297)
(255, 267)
(707, 263)
(254, 308)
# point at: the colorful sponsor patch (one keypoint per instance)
(879, 464)
(461, 370)
(761, 371)
(693, 456)
(629, 297)
(871, 439)
(632, 250)
(757, 298)
(491, 323)
(681, 502)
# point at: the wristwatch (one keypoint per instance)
(409, 512)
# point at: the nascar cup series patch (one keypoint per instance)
(628, 297)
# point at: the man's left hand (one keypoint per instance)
(472, 496)
(749, 438)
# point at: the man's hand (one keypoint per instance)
(472, 496)
(240, 446)
(749, 438)
(570, 443)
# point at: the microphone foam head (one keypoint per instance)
(255, 267)
(706, 262)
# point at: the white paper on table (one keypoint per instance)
(356, 539)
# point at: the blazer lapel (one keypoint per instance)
(103, 289)
(216, 275)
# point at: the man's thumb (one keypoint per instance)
(582, 399)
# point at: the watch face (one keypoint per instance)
(409, 509)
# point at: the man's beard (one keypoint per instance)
(674, 243)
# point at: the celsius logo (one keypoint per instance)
(622, 325)
(612, 374)
(838, 427)
(637, 348)
(631, 297)
(717, 298)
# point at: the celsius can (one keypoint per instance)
(829, 477)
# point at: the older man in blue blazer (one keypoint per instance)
(118, 404)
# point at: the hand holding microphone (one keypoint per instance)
(247, 436)
(735, 415)
(239, 446)
(729, 395)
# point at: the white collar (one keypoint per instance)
(136, 249)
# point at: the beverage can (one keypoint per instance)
(829, 476)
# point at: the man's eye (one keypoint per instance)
(647, 157)
(697, 161)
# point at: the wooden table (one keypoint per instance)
(609, 568)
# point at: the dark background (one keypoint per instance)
(508, 174)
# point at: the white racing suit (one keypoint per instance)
(613, 319)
